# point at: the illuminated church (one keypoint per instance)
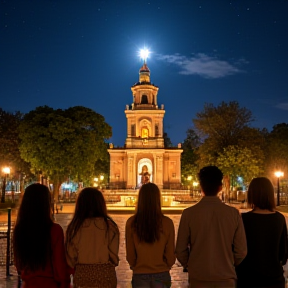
(144, 149)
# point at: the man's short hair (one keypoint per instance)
(210, 178)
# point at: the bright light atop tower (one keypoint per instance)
(144, 53)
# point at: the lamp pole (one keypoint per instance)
(6, 171)
(278, 174)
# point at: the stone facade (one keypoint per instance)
(144, 149)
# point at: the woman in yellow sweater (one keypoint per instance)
(150, 241)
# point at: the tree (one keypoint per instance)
(276, 151)
(102, 166)
(64, 143)
(240, 162)
(9, 147)
(189, 157)
(224, 126)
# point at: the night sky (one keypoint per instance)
(64, 53)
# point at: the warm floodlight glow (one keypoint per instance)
(101, 177)
(144, 53)
(195, 184)
(96, 179)
(189, 178)
(279, 174)
(6, 170)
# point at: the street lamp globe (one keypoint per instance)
(6, 170)
(279, 174)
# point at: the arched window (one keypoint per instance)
(144, 99)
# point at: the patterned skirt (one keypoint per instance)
(95, 276)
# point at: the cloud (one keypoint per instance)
(283, 106)
(203, 65)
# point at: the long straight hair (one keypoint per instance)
(32, 232)
(90, 203)
(147, 221)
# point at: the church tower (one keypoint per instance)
(144, 149)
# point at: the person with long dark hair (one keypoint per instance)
(266, 234)
(39, 251)
(92, 242)
(150, 241)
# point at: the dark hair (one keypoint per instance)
(90, 203)
(210, 178)
(261, 194)
(32, 232)
(147, 221)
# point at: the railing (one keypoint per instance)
(6, 251)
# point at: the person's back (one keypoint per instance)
(211, 238)
(92, 242)
(150, 241)
(39, 252)
(148, 258)
(266, 234)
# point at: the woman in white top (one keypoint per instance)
(92, 242)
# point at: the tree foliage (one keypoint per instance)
(240, 162)
(227, 136)
(64, 143)
(223, 125)
(9, 144)
(276, 151)
(189, 157)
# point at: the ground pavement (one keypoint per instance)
(124, 274)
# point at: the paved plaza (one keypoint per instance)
(124, 274)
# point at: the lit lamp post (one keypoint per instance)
(6, 171)
(278, 174)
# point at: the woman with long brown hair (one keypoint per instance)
(39, 251)
(266, 234)
(92, 242)
(150, 241)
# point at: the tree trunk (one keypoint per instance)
(226, 182)
(56, 187)
(3, 190)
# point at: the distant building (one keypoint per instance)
(144, 149)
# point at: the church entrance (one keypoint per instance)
(144, 167)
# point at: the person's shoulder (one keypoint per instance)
(280, 215)
(231, 209)
(191, 209)
(56, 228)
(112, 224)
(56, 231)
(166, 219)
(130, 220)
